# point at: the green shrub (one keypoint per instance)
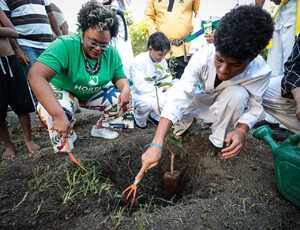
(139, 36)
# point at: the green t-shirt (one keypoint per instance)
(65, 57)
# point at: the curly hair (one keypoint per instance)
(244, 32)
(95, 15)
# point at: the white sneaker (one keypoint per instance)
(104, 133)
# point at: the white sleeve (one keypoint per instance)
(3, 6)
(137, 76)
(181, 94)
(255, 109)
(47, 2)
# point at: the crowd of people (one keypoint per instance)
(223, 81)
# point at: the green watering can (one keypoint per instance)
(287, 163)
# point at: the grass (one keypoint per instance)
(80, 183)
(42, 179)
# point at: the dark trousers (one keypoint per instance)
(177, 66)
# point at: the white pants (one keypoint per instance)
(282, 45)
(145, 106)
(282, 109)
(223, 110)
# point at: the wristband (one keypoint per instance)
(154, 145)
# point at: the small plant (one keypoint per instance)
(172, 65)
(41, 180)
(81, 183)
(161, 79)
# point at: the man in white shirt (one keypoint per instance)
(283, 37)
(282, 99)
(233, 79)
(150, 77)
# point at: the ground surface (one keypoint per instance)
(48, 192)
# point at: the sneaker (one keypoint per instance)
(180, 127)
(104, 133)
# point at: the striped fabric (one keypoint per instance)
(291, 79)
(30, 20)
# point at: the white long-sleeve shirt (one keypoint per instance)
(200, 74)
(141, 68)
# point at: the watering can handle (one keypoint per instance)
(293, 139)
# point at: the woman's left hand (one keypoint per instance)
(124, 99)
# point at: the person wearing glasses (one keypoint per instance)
(81, 70)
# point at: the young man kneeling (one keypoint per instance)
(233, 78)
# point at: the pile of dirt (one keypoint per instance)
(49, 192)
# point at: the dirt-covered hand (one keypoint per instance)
(124, 99)
(21, 56)
(151, 157)
(61, 124)
(235, 141)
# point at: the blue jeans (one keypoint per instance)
(32, 54)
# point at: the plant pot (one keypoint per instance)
(172, 183)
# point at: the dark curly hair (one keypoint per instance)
(244, 32)
(95, 15)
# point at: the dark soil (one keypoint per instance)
(49, 192)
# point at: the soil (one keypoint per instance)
(49, 192)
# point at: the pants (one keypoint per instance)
(222, 109)
(282, 109)
(282, 45)
(178, 66)
(107, 107)
(14, 90)
(145, 106)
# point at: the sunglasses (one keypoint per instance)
(93, 44)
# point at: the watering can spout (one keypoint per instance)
(264, 133)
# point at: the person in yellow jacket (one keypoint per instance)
(175, 20)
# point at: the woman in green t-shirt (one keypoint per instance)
(81, 70)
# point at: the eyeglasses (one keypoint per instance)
(93, 44)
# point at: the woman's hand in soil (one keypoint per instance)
(124, 99)
(151, 158)
(61, 124)
(235, 141)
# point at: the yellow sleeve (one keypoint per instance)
(196, 5)
(150, 15)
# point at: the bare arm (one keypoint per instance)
(124, 98)
(39, 76)
(54, 24)
(153, 154)
(19, 52)
(8, 32)
(64, 28)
